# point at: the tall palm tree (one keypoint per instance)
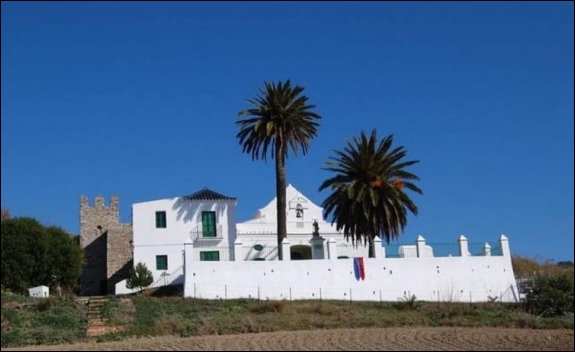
(279, 119)
(368, 196)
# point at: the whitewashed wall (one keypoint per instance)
(453, 279)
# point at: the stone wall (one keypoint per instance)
(106, 244)
(119, 251)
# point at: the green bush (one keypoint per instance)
(551, 296)
(34, 255)
(140, 277)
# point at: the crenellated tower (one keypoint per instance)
(107, 246)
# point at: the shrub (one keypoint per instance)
(551, 296)
(140, 277)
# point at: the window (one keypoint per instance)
(211, 256)
(258, 247)
(209, 223)
(161, 262)
(160, 219)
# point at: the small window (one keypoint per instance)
(208, 224)
(160, 219)
(211, 256)
(259, 259)
(343, 257)
(161, 262)
(258, 247)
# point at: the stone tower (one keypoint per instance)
(107, 246)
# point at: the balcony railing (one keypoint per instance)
(198, 234)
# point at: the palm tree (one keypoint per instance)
(368, 198)
(280, 119)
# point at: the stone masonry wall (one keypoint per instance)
(106, 244)
(119, 251)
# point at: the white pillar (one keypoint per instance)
(238, 250)
(463, 246)
(487, 250)
(420, 246)
(317, 250)
(332, 248)
(378, 248)
(188, 251)
(504, 244)
(286, 249)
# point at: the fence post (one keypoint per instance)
(463, 246)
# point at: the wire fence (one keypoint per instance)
(350, 250)
(260, 252)
(267, 252)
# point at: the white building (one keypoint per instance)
(259, 234)
(161, 227)
(207, 218)
(39, 291)
(195, 241)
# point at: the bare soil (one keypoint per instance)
(390, 339)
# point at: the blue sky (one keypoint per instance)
(140, 99)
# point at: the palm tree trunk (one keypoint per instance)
(371, 244)
(281, 194)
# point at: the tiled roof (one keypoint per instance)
(208, 194)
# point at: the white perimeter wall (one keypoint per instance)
(446, 279)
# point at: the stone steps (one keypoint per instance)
(96, 325)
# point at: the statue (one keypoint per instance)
(315, 228)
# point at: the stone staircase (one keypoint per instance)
(96, 324)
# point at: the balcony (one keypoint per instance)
(198, 235)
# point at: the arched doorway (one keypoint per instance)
(300, 252)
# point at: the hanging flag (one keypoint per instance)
(356, 268)
(361, 268)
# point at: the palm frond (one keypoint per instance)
(368, 184)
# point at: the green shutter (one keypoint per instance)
(160, 219)
(211, 256)
(209, 224)
(161, 262)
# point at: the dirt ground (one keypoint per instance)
(391, 339)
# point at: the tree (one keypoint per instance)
(65, 258)
(5, 214)
(140, 277)
(280, 119)
(23, 250)
(368, 196)
(33, 255)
